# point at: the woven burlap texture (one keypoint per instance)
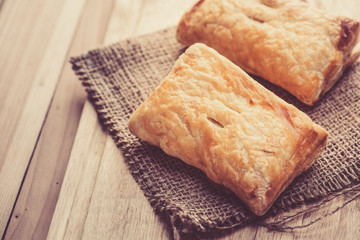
(118, 78)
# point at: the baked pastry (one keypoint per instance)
(289, 43)
(212, 115)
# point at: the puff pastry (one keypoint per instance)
(289, 43)
(212, 115)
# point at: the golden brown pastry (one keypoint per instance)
(302, 49)
(212, 115)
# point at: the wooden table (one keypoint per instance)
(61, 175)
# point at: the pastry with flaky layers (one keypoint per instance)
(212, 115)
(289, 43)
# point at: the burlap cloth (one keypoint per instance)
(119, 77)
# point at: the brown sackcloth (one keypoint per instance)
(119, 77)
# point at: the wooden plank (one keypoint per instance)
(27, 123)
(123, 20)
(348, 8)
(19, 62)
(344, 224)
(118, 209)
(35, 205)
(65, 225)
(76, 190)
(159, 14)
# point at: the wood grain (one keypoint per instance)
(118, 209)
(64, 223)
(75, 195)
(348, 8)
(35, 205)
(24, 107)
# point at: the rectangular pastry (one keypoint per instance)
(212, 115)
(289, 43)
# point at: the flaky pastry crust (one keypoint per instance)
(212, 115)
(289, 43)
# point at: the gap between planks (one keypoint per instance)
(34, 208)
(31, 120)
(63, 223)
